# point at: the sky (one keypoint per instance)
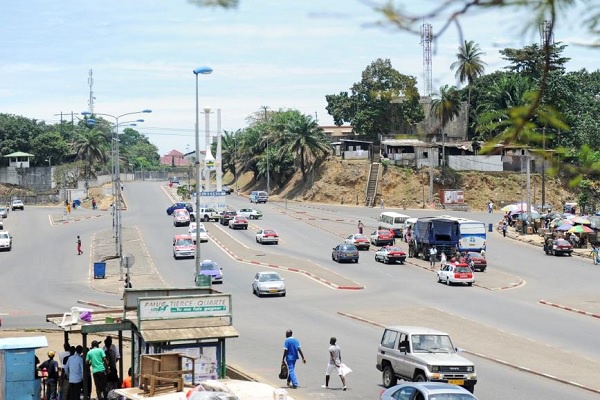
(283, 54)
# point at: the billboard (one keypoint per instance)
(452, 196)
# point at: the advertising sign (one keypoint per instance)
(184, 307)
(452, 196)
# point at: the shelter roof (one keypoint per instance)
(20, 154)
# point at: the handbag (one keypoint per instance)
(283, 373)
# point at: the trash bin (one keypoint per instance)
(491, 228)
(99, 270)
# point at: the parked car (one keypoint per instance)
(345, 252)
(268, 283)
(17, 205)
(456, 273)
(238, 222)
(5, 241)
(388, 254)
(426, 391)
(203, 233)
(479, 261)
(176, 206)
(250, 213)
(174, 180)
(382, 237)
(559, 246)
(258, 196)
(212, 269)
(181, 217)
(419, 354)
(183, 246)
(3, 212)
(226, 216)
(267, 236)
(359, 240)
(227, 189)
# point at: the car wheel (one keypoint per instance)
(439, 279)
(469, 283)
(386, 260)
(246, 228)
(448, 281)
(283, 294)
(420, 378)
(376, 259)
(332, 257)
(388, 378)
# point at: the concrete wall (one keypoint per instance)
(476, 163)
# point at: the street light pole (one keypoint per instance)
(117, 196)
(204, 71)
(268, 169)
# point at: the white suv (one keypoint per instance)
(421, 354)
(5, 241)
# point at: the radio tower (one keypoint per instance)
(91, 84)
(426, 37)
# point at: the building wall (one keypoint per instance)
(476, 163)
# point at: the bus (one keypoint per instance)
(392, 221)
(472, 234)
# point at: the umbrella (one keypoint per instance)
(595, 222)
(559, 222)
(565, 227)
(517, 207)
(533, 215)
(554, 215)
(581, 220)
(580, 229)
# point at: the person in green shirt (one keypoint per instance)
(97, 359)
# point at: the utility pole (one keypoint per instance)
(528, 172)
(546, 38)
(265, 108)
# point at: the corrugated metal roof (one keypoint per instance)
(171, 335)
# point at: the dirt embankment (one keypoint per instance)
(344, 182)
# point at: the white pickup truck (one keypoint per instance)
(206, 214)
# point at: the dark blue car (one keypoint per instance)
(177, 206)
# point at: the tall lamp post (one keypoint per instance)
(198, 71)
(268, 169)
(116, 181)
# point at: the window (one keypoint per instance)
(389, 338)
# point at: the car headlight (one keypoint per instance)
(471, 369)
(433, 368)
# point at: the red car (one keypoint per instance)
(388, 254)
(238, 222)
(479, 261)
(382, 237)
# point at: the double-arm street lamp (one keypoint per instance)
(116, 180)
(198, 71)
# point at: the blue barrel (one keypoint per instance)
(77, 203)
(99, 270)
(491, 228)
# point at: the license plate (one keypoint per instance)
(463, 276)
(273, 291)
(458, 382)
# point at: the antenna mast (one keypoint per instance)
(91, 84)
(426, 37)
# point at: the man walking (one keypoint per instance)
(97, 359)
(79, 252)
(432, 256)
(74, 372)
(334, 364)
(51, 366)
(291, 350)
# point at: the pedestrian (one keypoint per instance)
(408, 234)
(94, 204)
(334, 364)
(112, 356)
(68, 209)
(74, 371)
(443, 260)
(51, 367)
(291, 351)
(490, 207)
(504, 228)
(79, 251)
(97, 360)
(432, 256)
(127, 380)
(361, 226)
(381, 203)
(64, 376)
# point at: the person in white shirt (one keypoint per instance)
(432, 256)
(443, 260)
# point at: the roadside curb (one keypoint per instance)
(572, 309)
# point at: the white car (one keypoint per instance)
(250, 213)
(3, 212)
(456, 273)
(203, 233)
(181, 217)
(17, 204)
(5, 241)
(267, 236)
(268, 283)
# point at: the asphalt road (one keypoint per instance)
(46, 275)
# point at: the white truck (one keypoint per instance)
(206, 214)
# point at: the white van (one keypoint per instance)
(392, 221)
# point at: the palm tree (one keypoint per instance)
(468, 67)
(305, 139)
(445, 109)
(90, 146)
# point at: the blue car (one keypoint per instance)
(211, 268)
(345, 252)
(177, 206)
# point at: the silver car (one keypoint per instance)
(3, 212)
(426, 391)
(268, 283)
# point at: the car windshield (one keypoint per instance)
(463, 269)
(3, 235)
(268, 232)
(393, 249)
(348, 247)
(208, 266)
(269, 278)
(184, 242)
(432, 344)
(562, 242)
(360, 237)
